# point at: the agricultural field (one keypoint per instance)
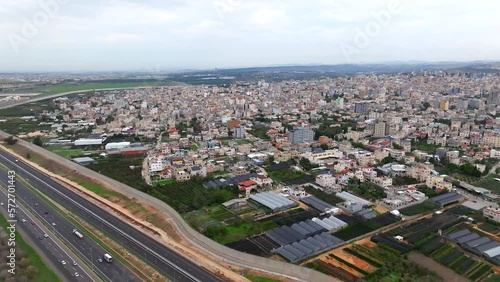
(127, 170)
(422, 229)
(427, 206)
(490, 227)
(371, 262)
(453, 258)
(241, 230)
(17, 126)
(186, 196)
(28, 109)
(225, 226)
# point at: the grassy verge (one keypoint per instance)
(254, 278)
(41, 272)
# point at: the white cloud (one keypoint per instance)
(267, 17)
(122, 38)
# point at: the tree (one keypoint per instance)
(11, 140)
(28, 156)
(38, 141)
(324, 146)
(397, 146)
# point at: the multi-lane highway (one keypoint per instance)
(168, 262)
(86, 248)
(53, 249)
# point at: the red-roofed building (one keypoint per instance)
(247, 186)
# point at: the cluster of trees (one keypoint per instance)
(10, 140)
(306, 164)
(466, 169)
(366, 189)
(190, 195)
(118, 168)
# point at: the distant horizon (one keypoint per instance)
(150, 35)
(187, 69)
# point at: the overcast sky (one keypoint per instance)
(78, 35)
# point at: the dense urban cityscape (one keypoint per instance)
(249, 141)
(293, 170)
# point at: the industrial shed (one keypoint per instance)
(466, 238)
(320, 205)
(348, 197)
(84, 160)
(477, 242)
(116, 145)
(493, 252)
(484, 247)
(273, 201)
(366, 214)
(457, 234)
(308, 228)
(331, 223)
(88, 142)
(284, 235)
(448, 198)
(311, 246)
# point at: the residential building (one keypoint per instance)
(326, 180)
(239, 132)
(381, 129)
(492, 213)
(361, 108)
(301, 135)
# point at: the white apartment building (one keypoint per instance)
(495, 154)
(492, 213)
(326, 180)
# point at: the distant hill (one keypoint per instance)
(280, 73)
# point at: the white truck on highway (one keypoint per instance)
(108, 258)
(77, 233)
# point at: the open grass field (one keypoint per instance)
(29, 265)
(66, 151)
(243, 141)
(261, 133)
(91, 85)
(285, 174)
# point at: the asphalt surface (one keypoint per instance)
(86, 248)
(53, 250)
(168, 262)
